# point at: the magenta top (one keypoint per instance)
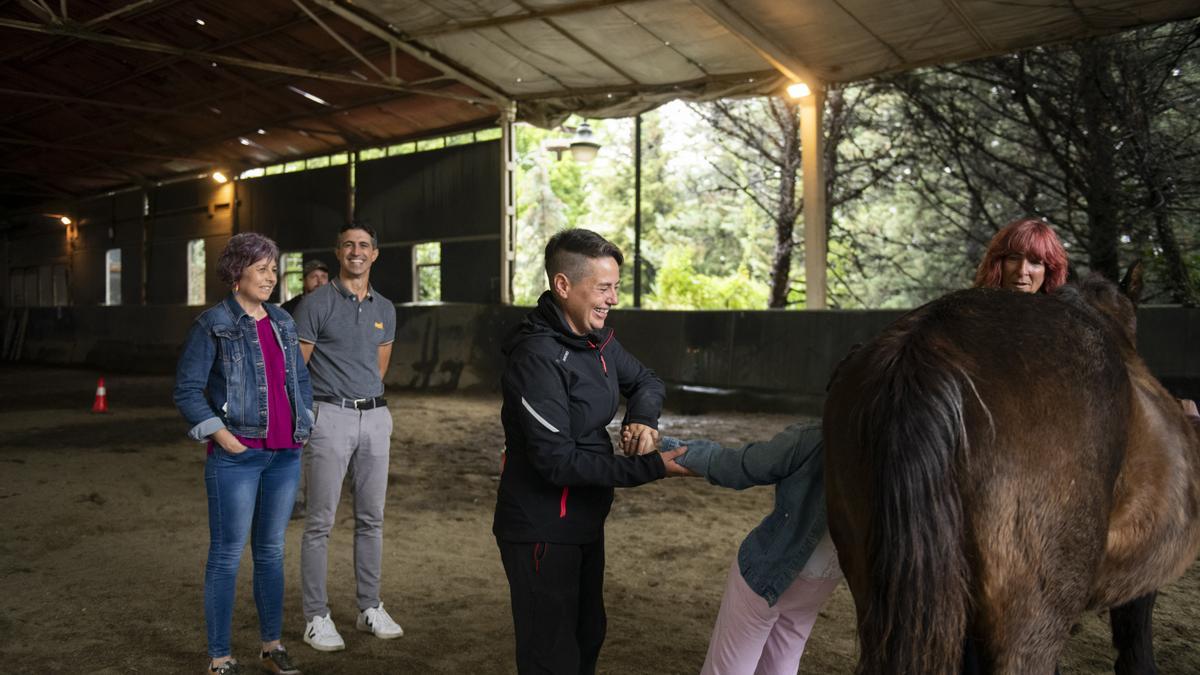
(280, 424)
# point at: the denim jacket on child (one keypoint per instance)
(775, 551)
(221, 380)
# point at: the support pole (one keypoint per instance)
(637, 211)
(508, 209)
(812, 141)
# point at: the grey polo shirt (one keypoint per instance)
(346, 335)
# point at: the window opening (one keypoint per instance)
(112, 276)
(293, 276)
(427, 272)
(195, 272)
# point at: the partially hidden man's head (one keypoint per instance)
(357, 249)
(584, 271)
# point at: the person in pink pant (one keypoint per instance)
(786, 568)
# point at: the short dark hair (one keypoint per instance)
(242, 251)
(567, 252)
(359, 226)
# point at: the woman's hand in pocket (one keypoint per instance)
(228, 442)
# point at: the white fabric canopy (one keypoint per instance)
(613, 58)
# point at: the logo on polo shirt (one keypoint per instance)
(379, 325)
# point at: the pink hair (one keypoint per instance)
(1032, 238)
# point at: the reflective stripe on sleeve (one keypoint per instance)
(537, 416)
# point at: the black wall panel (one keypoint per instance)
(302, 210)
(433, 195)
(451, 196)
(437, 196)
(391, 274)
(471, 271)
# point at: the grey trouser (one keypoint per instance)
(344, 439)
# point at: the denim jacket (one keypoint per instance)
(775, 551)
(221, 381)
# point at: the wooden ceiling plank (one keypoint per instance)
(164, 63)
(228, 60)
(211, 97)
(350, 48)
(95, 150)
(119, 11)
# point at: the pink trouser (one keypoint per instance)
(751, 637)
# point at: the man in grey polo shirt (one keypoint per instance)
(346, 330)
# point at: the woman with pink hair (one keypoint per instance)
(1025, 255)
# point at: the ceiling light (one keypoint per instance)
(262, 132)
(199, 22)
(305, 94)
(65, 220)
(798, 90)
(584, 146)
(243, 140)
(219, 177)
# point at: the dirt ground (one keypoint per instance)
(105, 534)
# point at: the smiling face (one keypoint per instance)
(355, 252)
(1019, 272)
(258, 280)
(585, 303)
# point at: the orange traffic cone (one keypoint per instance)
(101, 404)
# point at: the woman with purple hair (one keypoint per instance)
(243, 387)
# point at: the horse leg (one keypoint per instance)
(1132, 635)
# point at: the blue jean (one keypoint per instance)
(249, 494)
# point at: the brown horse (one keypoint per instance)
(997, 463)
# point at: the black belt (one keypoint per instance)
(355, 403)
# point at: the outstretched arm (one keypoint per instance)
(760, 463)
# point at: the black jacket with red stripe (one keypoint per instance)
(560, 392)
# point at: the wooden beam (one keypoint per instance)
(91, 102)
(96, 150)
(71, 31)
(731, 78)
(371, 24)
(119, 11)
(162, 63)
(349, 47)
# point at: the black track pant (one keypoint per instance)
(557, 595)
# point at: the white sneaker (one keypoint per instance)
(376, 620)
(322, 635)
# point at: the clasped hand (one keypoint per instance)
(641, 439)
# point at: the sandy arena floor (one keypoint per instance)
(105, 534)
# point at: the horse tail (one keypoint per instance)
(913, 431)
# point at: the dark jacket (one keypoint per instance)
(561, 390)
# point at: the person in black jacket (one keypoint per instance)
(562, 383)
